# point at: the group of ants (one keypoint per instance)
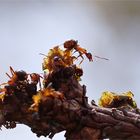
(22, 78)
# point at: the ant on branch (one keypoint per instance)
(21, 77)
(72, 44)
(16, 76)
(21, 84)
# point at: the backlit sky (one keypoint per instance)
(109, 29)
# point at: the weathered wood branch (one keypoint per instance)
(72, 113)
(62, 105)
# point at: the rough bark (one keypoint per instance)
(72, 113)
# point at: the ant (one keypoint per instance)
(72, 44)
(22, 76)
(16, 76)
(35, 78)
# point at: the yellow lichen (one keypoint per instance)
(42, 95)
(106, 99)
(2, 95)
(48, 62)
(112, 99)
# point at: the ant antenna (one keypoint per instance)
(101, 57)
(12, 71)
(43, 54)
(8, 75)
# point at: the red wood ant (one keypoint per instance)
(22, 76)
(16, 76)
(72, 44)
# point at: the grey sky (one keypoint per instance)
(106, 28)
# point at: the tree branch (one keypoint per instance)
(62, 104)
(72, 113)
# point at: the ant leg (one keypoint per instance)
(80, 55)
(43, 54)
(81, 60)
(40, 76)
(12, 71)
(8, 75)
(40, 84)
(73, 58)
(74, 52)
(40, 81)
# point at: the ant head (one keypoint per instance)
(58, 62)
(89, 56)
(34, 76)
(70, 44)
(56, 59)
(21, 75)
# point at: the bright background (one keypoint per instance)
(108, 28)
